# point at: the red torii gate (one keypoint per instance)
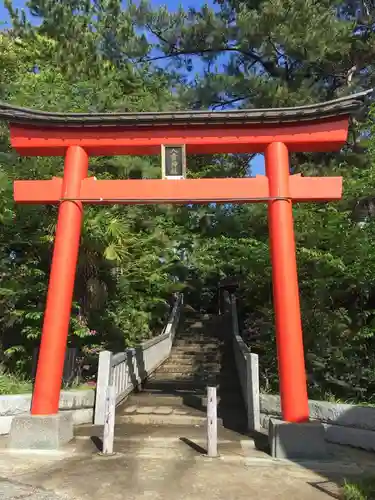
(275, 132)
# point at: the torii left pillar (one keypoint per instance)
(46, 428)
(61, 286)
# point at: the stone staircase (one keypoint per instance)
(167, 418)
(176, 393)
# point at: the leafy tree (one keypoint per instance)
(122, 289)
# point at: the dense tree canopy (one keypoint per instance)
(80, 55)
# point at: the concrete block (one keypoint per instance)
(41, 432)
(358, 438)
(302, 441)
(5, 423)
(73, 400)
(14, 404)
(362, 417)
(83, 416)
(270, 404)
(264, 420)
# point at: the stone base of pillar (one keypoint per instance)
(41, 432)
(297, 441)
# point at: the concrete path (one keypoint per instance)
(162, 473)
(10, 490)
(168, 463)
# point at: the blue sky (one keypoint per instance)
(257, 165)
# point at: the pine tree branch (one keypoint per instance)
(228, 102)
(272, 68)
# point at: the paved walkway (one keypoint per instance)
(158, 474)
(168, 463)
(10, 490)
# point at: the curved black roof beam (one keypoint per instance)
(353, 104)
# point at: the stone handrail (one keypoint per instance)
(247, 370)
(126, 370)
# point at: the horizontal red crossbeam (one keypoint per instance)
(149, 191)
(326, 135)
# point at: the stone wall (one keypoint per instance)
(80, 403)
(344, 423)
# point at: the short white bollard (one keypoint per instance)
(211, 422)
(109, 422)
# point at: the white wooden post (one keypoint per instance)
(103, 381)
(211, 422)
(109, 422)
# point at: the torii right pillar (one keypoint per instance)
(292, 373)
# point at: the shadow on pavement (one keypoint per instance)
(97, 442)
(196, 447)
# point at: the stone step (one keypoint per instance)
(191, 383)
(183, 375)
(195, 394)
(198, 345)
(180, 381)
(197, 319)
(146, 398)
(195, 352)
(192, 360)
(146, 408)
(198, 352)
(163, 416)
(224, 373)
(188, 372)
(189, 368)
(158, 387)
(204, 334)
(199, 340)
(171, 384)
(193, 349)
(168, 447)
(134, 431)
(196, 335)
(196, 340)
(159, 419)
(199, 401)
(164, 441)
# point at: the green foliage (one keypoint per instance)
(362, 490)
(11, 384)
